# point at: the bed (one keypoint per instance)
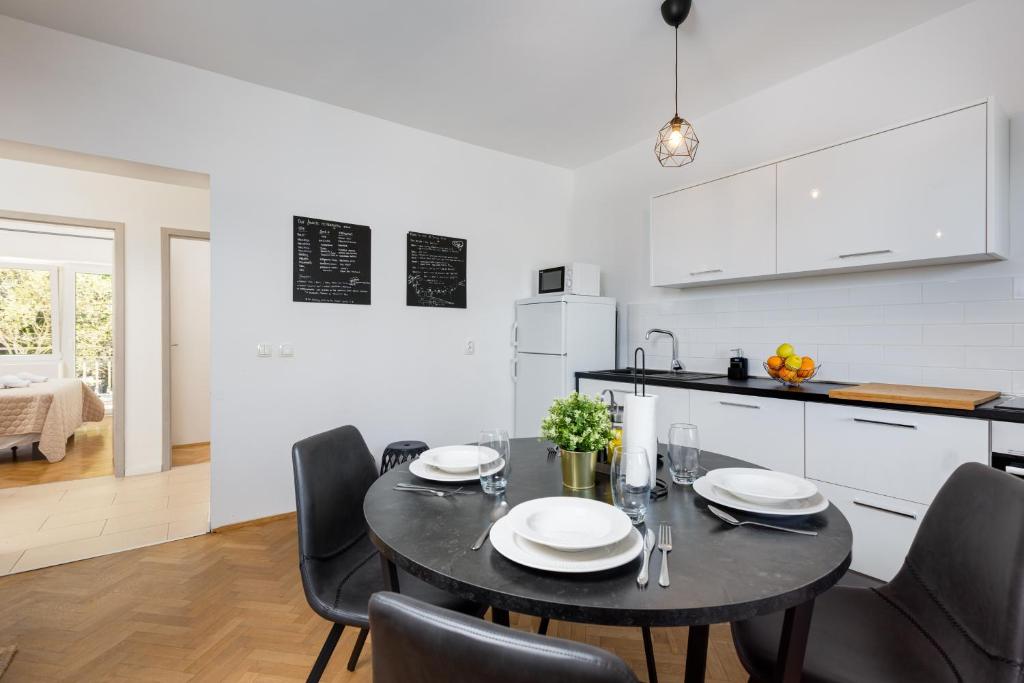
(48, 413)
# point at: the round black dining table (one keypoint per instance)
(718, 573)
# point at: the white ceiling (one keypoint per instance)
(562, 81)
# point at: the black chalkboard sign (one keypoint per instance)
(436, 270)
(331, 262)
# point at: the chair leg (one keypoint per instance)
(357, 648)
(652, 669)
(325, 654)
(543, 628)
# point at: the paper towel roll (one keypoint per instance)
(639, 427)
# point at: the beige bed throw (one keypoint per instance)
(54, 409)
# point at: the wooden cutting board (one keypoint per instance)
(936, 397)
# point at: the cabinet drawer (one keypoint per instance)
(765, 431)
(1008, 437)
(883, 528)
(893, 453)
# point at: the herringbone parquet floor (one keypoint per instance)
(225, 607)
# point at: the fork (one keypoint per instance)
(415, 487)
(665, 546)
(429, 492)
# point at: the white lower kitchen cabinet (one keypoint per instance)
(673, 404)
(890, 452)
(883, 528)
(765, 431)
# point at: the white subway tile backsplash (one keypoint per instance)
(988, 289)
(886, 294)
(968, 335)
(885, 334)
(995, 312)
(924, 356)
(851, 315)
(958, 378)
(1005, 357)
(932, 314)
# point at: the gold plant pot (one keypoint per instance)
(578, 469)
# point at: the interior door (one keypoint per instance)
(540, 379)
(189, 288)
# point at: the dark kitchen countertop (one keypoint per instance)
(815, 392)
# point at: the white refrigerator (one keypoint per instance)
(554, 337)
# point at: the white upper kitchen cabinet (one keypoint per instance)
(716, 231)
(924, 192)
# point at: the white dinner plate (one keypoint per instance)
(431, 473)
(521, 551)
(808, 506)
(569, 524)
(459, 459)
(762, 487)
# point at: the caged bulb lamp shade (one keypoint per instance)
(677, 143)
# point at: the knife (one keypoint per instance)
(641, 580)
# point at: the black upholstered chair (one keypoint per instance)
(419, 643)
(339, 564)
(954, 612)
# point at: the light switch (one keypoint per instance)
(470, 348)
(286, 350)
(264, 350)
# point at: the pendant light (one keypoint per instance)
(677, 143)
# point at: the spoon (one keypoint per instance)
(729, 519)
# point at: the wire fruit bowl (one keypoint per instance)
(790, 383)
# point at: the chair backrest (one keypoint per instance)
(963, 580)
(415, 642)
(333, 471)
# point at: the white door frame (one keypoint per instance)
(165, 286)
(119, 380)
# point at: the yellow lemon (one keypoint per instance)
(794, 363)
(785, 350)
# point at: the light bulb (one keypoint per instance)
(815, 193)
(674, 138)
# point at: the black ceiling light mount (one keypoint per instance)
(677, 143)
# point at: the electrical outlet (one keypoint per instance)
(286, 350)
(264, 350)
(470, 347)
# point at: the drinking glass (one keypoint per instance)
(683, 452)
(631, 481)
(493, 470)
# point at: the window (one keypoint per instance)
(94, 330)
(28, 298)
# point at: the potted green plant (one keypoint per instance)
(579, 425)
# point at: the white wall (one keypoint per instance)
(396, 372)
(963, 56)
(144, 207)
(190, 340)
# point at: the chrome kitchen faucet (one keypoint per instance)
(676, 365)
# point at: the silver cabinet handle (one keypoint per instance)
(515, 334)
(882, 508)
(866, 253)
(740, 405)
(706, 272)
(512, 366)
(1014, 451)
(882, 422)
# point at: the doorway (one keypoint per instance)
(61, 328)
(186, 327)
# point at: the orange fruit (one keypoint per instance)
(775, 363)
(787, 374)
(806, 367)
(773, 373)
